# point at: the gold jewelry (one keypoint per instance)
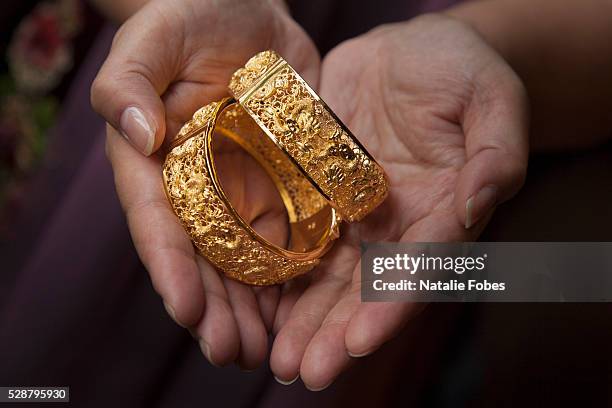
(321, 171)
(216, 229)
(306, 129)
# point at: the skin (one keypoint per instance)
(439, 109)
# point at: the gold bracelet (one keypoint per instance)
(321, 171)
(307, 130)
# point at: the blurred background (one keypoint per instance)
(77, 308)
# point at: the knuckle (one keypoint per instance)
(108, 147)
(135, 69)
(515, 171)
(119, 34)
(512, 87)
(100, 90)
(519, 172)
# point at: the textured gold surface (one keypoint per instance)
(199, 120)
(294, 117)
(216, 229)
(256, 68)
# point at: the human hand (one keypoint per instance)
(168, 60)
(447, 119)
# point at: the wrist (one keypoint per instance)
(282, 4)
(494, 22)
(118, 11)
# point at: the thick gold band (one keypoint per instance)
(302, 125)
(216, 229)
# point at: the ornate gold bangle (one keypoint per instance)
(321, 171)
(307, 130)
(216, 229)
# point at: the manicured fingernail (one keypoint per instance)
(478, 204)
(171, 313)
(137, 130)
(206, 351)
(317, 389)
(278, 380)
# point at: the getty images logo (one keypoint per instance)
(422, 262)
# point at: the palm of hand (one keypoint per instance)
(407, 92)
(405, 97)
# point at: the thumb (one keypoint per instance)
(126, 91)
(496, 131)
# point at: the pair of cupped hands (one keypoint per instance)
(437, 107)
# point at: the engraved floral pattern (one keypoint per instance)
(200, 119)
(305, 128)
(255, 67)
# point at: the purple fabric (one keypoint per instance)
(331, 22)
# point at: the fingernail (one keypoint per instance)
(171, 313)
(206, 351)
(194, 334)
(246, 370)
(278, 380)
(137, 130)
(358, 355)
(317, 389)
(478, 204)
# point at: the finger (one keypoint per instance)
(183, 98)
(267, 299)
(251, 191)
(309, 311)
(351, 329)
(160, 240)
(270, 221)
(140, 65)
(326, 355)
(373, 324)
(290, 292)
(496, 130)
(217, 332)
(251, 328)
(297, 49)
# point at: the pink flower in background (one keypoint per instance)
(40, 53)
